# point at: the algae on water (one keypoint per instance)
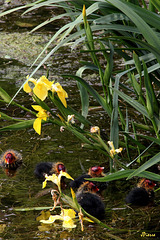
(23, 47)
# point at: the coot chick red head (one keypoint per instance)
(147, 184)
(11, 159)
(96, 171)
(143, 194)
(57, 167)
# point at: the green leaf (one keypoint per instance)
(124, 174)
(5, 116)
(92, 91)
(155, 140)
(137, 63)
(4, 95)
(152, 104)
(156, 3)
(114, 132)
(139, 107)
(83, 93)
(69, 111)
(18, 126)
(148, 33)
(109, 67)
(146, 165)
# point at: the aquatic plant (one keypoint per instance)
(131, 31)
(67, 216)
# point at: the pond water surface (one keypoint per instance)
(21, 190)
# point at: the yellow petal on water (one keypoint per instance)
(68, 222)
(68, 212)
(37, 125)
(44, 215)
(52, 219)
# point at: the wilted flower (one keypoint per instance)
(41, 115)
(62, 129)
(95, 129)
(70, 118)
(114, 151)
(67, 216)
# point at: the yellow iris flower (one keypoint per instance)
(114, 151)
(56, 179)
(67, 216)
(41, 115)
(42, 86)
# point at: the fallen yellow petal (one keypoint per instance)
(52, 219)
(68, 222)
(68, 212)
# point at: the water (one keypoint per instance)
(21, 190)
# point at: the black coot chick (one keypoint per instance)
(11, 159)
(90, 201)
(48, 168)
(141, 195)
(93, 172)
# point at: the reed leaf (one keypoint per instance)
(124, 174)
(6, 117)
(155, 140)
(149, 34)
(18, 126)
(4, 95)
(146, 165)
(114, 131)
(156, 3)
(92, 91)
(83, 93)
(139, 107)
(152, 104)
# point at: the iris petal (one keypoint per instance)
(26, 86)
(40, 90)
(37, 125)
